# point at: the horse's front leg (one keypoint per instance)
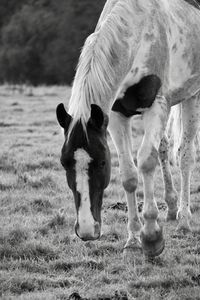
(154, 124)
(170, 195)
(120, 131)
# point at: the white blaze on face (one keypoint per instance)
(85, 218)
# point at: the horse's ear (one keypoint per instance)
(63, 117)
(98, 118)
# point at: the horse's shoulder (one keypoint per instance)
(138, 96)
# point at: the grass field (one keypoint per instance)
(40, 257)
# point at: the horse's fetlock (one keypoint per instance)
(134, 225)
(151, 214)
(130, 184)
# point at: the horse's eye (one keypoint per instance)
(67, 163)
(102, 164)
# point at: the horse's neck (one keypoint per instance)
(135, 15)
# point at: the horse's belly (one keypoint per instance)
(183, 79)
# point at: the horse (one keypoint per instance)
(143, 58)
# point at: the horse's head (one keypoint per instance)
(86, 158)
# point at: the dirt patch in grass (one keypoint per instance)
(41, 205)
(55, 223)
(105, 249)
(14, 237)
(6, 186)
(40, 164)
(118, 295)
(118, 206)
(8, 181)
(14, 104)
(18, 109)
(163, 281)
(112, 235)
(28, 250)
(66, 266)
(21, 208)
(7, 163)
(37, 181)
(4, 124)
(29, 282)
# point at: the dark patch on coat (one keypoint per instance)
(140, 95)
(194, 3)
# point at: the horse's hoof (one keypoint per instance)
(152, 245)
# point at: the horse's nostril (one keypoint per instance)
(86, 236)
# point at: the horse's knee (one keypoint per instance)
(148, 163)
(130, 184)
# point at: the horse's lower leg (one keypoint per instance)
(154, 124)
(170, 195)
(120, 131)
(190, 117)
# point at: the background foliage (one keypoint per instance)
(40, 40)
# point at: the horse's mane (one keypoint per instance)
(101, 62)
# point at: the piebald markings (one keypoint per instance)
(85, 218)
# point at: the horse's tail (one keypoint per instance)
(174, 131)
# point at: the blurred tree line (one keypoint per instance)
(40, 40)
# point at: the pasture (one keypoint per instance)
(40, 257)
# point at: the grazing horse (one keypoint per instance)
(143, 58)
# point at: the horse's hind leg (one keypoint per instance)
(190, 123)
(171, 195)
(154, 125)
(120, 131)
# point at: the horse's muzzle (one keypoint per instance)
(89, 236)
